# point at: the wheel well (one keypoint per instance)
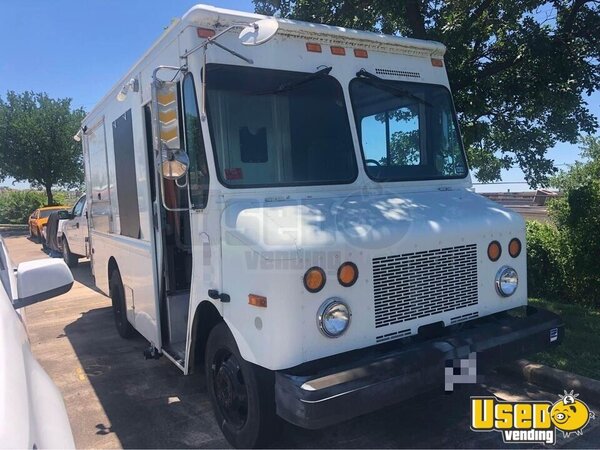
(112, 266)
(205, 318)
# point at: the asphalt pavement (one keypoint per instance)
(117, 399)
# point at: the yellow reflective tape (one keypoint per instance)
(165, 99)
(167, 135)
(167, 116)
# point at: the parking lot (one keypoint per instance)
(115, 398)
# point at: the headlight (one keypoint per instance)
(507, 281)
(333, 317)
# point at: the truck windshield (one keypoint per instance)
(278, 128)
(407, 131)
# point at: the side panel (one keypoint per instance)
(98, 179)
(134, 259)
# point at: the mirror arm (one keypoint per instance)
(210, 40)
(234, 53)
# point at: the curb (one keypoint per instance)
(555, 379)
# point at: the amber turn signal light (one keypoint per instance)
(494, 251)
(314, 279)
(347, 274)
(514, 247)
(257, 300)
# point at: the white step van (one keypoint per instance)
(288, 207)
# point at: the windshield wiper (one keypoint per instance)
(284, 87)
(385, 85)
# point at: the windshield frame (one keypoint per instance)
(347, 120)
(405, 180)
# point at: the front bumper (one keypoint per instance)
(329, 391)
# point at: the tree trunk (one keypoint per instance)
(49, 194)
(416, 21)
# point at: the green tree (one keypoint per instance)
(577, 217)
(517, 68)
(36, 141)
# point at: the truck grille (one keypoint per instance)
(421, 284)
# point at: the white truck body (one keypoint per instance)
(431, 234)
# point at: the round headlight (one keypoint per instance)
(507, 281)
(333, 317)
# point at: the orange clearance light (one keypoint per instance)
(205, 32)
(514, 247)
(257, 300)
(313, 47)
(347, 274)
(360, 53)
(314, 279)
(340, 51)
(437, 62)
(494, 251)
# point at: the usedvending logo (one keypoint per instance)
(531, 422)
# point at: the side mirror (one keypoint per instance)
(259, 32)
(174, 164)
(64, 215)
(40, 280)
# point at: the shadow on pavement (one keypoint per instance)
(82, 273)
(150, 404)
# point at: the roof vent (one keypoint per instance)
(398, 73)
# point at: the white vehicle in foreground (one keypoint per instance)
(73, 233)
(32, 412)
(289, 206)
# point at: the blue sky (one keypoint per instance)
(79, 49)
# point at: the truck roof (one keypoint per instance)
(212, 17)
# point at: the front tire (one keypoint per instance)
(241, 393)
(117, 295)
(70, 259)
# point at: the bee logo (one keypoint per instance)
(531, 421)
(570, 415)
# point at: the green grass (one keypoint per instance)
(580, 350)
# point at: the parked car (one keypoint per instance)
(52, 238)
(32, 411)
(72, 233)
(39, 218)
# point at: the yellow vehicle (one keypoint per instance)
(39, 219)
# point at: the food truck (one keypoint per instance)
(287, 206)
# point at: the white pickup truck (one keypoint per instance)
(32, 412)
(73, 234)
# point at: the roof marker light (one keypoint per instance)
(205, 33)
(360, 53)
(313, 47)
(340, 51)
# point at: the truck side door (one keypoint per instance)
(76, 229)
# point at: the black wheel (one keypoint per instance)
(70, 259)
(117, 295)
(242, 394)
